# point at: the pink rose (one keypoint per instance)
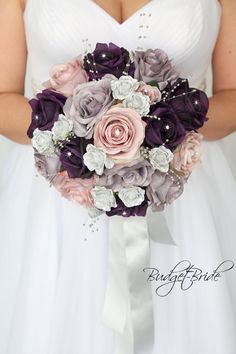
(153, 93)
(120, 132)
(188, 154)
(77, 190)
(65, 77)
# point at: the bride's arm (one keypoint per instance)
(222, 112)
(14, 107)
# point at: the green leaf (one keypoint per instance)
(153, 83)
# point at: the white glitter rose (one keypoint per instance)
(139, 102)
(96, 159)
(132, 196)
(62, 128)
(123, 87)
(94, 212)
(160, 158)
(103, 198)
(42, 141)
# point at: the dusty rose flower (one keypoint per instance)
(164, 189)
(154, 65)
(153, 93)
(88, 104)
(47, 166)
(136, 173)
(65, 77)
(188, 154)
(120, 133)
(75, 189)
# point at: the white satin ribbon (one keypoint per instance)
(158, 228)
(128, 306)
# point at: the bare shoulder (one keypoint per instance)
(224, 58)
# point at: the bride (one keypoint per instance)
(53, 265)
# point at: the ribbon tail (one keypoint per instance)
(115, 306)
(158, 228)
(138, 258)
(128, 306)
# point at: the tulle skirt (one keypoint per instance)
(53, 265)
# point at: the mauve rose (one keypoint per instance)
(46, 108)
(152, 92)
(168, 130)
(120, 133)
(164, 189)
(192, 107)
(88, 104)
(108, 59)
(65, 77)
(122, 210)
(154, 65)
(188, 154)
(47, 166)
(72, 158)
(135, 173)
(76, 190)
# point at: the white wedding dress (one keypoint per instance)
(53, 268)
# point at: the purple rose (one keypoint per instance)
(45, 110)
(191, 107)
(165, 129)
(47, 166)
(122, 210)
(88, 104)
(72, 158)
(164, 189)
(154, 65)
(136, 173)
(108, 59)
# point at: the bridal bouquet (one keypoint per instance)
(116, 131)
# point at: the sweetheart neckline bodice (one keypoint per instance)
(57, 31)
